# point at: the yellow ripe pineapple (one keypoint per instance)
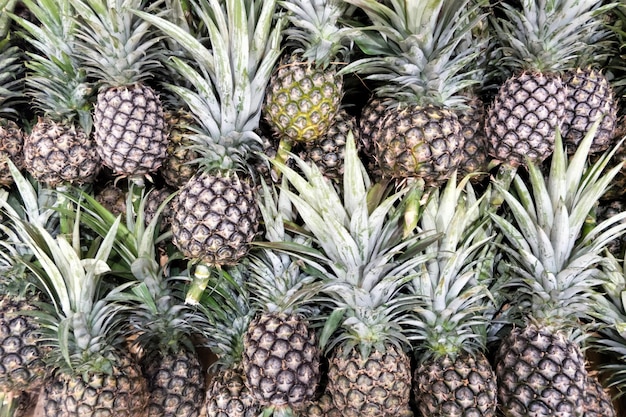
(305, 91)
(552, 269)
(215, 214)
(363, 262)
(418, 55)
(120, 52)
(59, 149)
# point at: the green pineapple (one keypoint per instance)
(281, 357)
(363, 261)
(228, 311)
(162, 327)
(552, 270)
(305, 91)
(215, 214)
(453, 375)
(419, 57)
(59, 149)
(120, 52)
(91, 374)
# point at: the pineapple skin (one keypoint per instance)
(215, 218)
(376, 386)
(177, 168)
(597, 401)
(11, 147)
(130, 130)
(475, 158)
(302, 100)
(464, 386)
(589, 98)
(122, 393)
(175, 383)
(281, 360)
(328, 152)
(22, 365)
(419, 141)
(228, 396)
(524, 116)
(540, 372)
(57, 154)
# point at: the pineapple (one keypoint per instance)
(179, 165)
(453, 375)
(328, 152)
(358, 242)
(420, 58)
(162, 326)
(281, 357)
(552, 270)
(228, 312)
(305, 91)
(120, 52)
(22, 357)
(215, 214)
(11, 91)
(91, 374)
(59, 149)
(538, 40)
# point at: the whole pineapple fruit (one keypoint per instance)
(369, 372)
(161, 324)
(281, 358)
(413, 120)
(530, 105)
(552, 270)
(305, 91)
(91, 373)
(59, 149)
(120, 52)
(215, 214)
(453, 375)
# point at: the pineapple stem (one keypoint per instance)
(201, 276)
(504, 178)
(9, 402)
(282, 155)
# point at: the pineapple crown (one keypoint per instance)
(82, 319)
(315, 31)
(452, 286)
(553, 256)
(160, 319)
(57, 82)
(279, 282)
(549, 35)
(228, 81)
(421, 52)
(227, 313)
(11, 82)
(116, 47)
(358, 242)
